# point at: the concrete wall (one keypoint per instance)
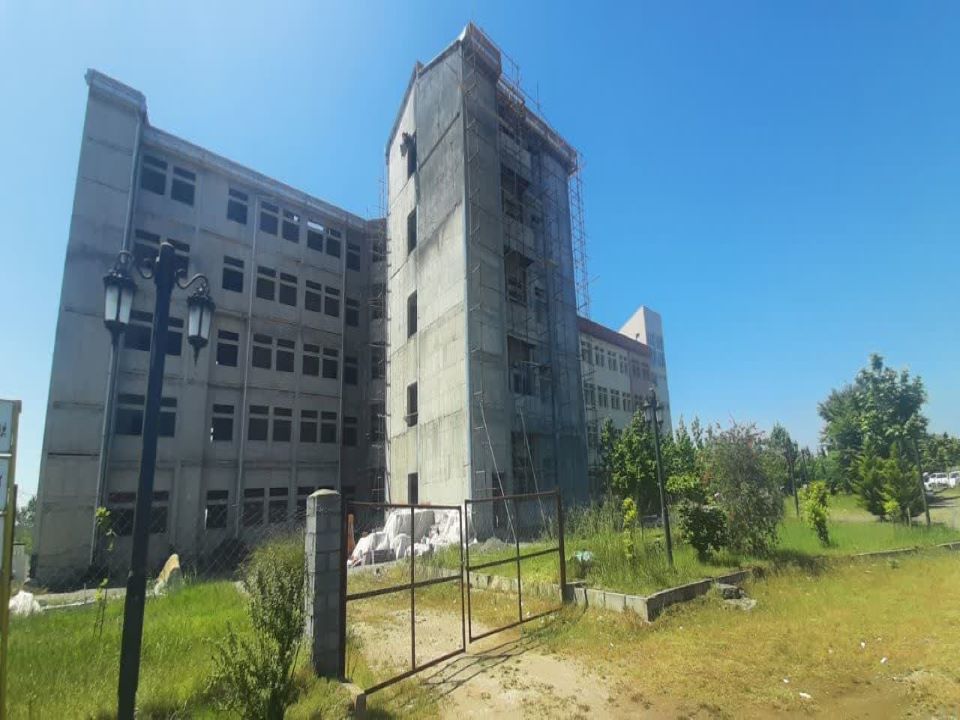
(646, 326)
(435, 356)
(190, 464)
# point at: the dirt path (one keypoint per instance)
(504, 675)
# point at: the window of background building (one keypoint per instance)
(314, 236)
(277, 506)
(269, 218)
(413, 488)
(232, 274)
(589, 394)
(353, 256)
(146, 248)
(228, 348)
(262, 355)
(351, 312)
(158, 512)
(128, 417)
(291, 226)
(611, 360)
(153, 175)
(308, 426)
(412, 315)
(585, 353)
(167, 425)
(408, 148)
(349, 431)
(174, 336)
(257, 423)
(221, 426)
(183, 187)
(412, 404)
(137, 334)
(623, 364)
(602, 399)
(328, 427)
(411, 231)
(378, 251)
(331, 358)
(237, 206)
(311, 360)
(286, 351)
(331, 301)
(313, 296)
(332, 242)
(350, 370)
(266, 283)
(598, 356)
(253, 507)
(614, 399)
(215, 517)
(282, 422)
(288, 289)
(303, 492)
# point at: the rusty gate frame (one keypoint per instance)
(411, 586)
(516, 558)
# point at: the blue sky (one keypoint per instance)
(780, 180)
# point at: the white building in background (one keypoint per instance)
(619, 370)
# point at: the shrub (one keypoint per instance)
(254, 675)
(629, 522)
(749, 497)
(813, 508)
(686, 486)
(703, 527)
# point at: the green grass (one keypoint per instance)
(852, 531)
(61, 668)
(808, 626)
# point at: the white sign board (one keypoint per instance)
(6, 425)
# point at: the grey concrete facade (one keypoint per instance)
(287, 397)
(484, 375)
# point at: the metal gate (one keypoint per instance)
(542, 530)
(486, 518)
(411, 585)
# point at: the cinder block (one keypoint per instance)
(594, 598)
(637, 604)
(614, 601)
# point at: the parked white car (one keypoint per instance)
(938, 480)
(953, 478)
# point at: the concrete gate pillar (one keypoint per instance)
(326, 583)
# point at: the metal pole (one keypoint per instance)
(923, 490)
(793, 482)
(563, 552)
(164, 278)
(664, 510)
(10, 521)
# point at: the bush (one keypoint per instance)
(254, 675)
(749, 497)
(703, 527)
(813, 508)
(686, 486)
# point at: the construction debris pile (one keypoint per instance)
(431, 529)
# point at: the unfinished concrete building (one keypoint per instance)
(484, 383)
(287, 398)
(441, 365)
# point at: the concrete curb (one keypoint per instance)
(907, 551)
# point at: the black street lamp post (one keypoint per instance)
(654, 412)
(119, 291)
(790, 454)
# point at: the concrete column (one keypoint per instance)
(326, 574)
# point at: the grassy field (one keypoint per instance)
(805, 635)
(852, 531)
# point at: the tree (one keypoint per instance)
(609, 436)
(876, 417)
(777, 448)
(633, 465)
(940, 453)
(749, 497)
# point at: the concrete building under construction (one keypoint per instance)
(433, 355)
(484, 379)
